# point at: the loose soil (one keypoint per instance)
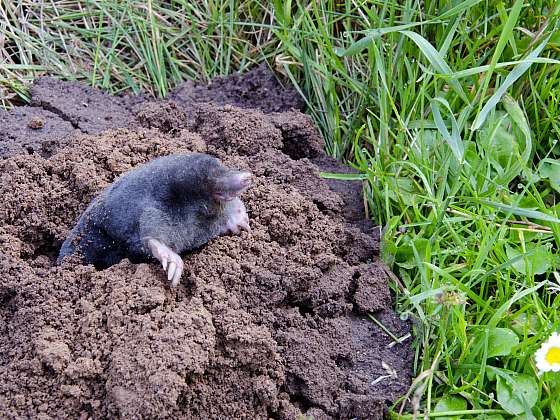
(270, 324)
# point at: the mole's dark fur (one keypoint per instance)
(180, 200)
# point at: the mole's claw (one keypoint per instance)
(236, 218)
(170, 260)
(244, 224)
(177, 276)
(171, 270)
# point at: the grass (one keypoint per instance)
(133, 46)
(449, 110)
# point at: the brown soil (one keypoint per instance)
(269, 324)
(25, 128)
(257, 89)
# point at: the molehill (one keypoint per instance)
(269, 324)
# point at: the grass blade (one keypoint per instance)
(519, 211)
(437, 61)
(454, 139)
(511, 78)
(505, 35)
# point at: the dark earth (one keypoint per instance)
(269, 324)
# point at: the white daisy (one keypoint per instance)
(548, 356)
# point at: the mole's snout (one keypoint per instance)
(232, 185)
(245, 179)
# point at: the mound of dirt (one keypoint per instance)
(270, 324)
(257, 89)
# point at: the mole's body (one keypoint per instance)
(158, 210)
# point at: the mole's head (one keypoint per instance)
(223, 208)
(203, 188)
(220, 184)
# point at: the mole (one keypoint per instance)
(158, 210)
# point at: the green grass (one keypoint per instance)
(450, 111)
(133, 46)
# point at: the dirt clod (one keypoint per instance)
(270, 324)
(36, 123)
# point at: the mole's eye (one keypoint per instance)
(231, 185)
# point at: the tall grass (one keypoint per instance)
(448, 109)
(135, 45)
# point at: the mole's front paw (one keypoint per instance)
(170, 261)
(236, 218)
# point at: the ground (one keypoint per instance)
(272, 323)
